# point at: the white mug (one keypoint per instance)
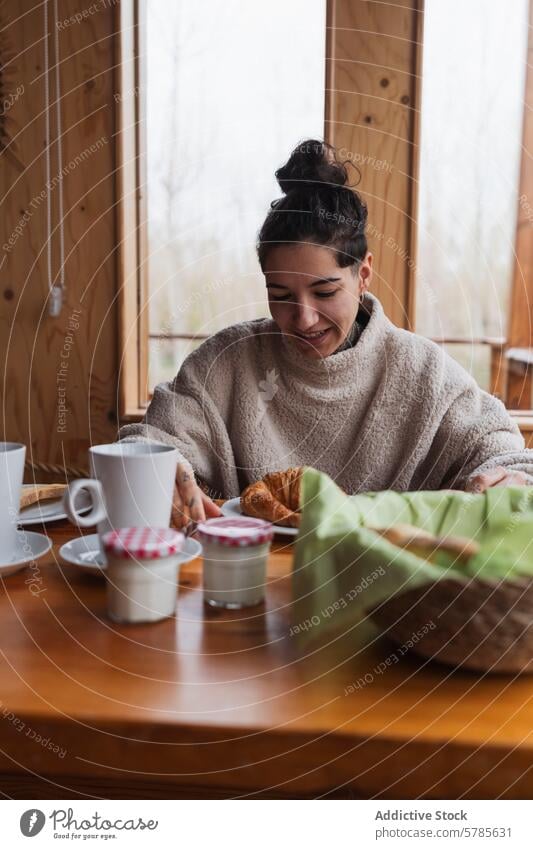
(12, 457)
(132, 486)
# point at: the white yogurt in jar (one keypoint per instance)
(235, 552)
(142, 573)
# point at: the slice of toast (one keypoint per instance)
(41, 492)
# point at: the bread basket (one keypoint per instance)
(355, 559)
(485, 626)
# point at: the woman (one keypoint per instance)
(328, 381)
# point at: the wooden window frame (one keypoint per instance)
(131, 210)
(512, 358)
(398, 216)
(373, 65)
(519, 371)
(368, 83)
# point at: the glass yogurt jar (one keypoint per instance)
(142, 573)
(235, 560)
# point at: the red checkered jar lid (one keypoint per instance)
(144, 543)
(236, 532)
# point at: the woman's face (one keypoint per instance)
(312, 300)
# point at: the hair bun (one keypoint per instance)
(311, 162)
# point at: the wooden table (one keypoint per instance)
(222, 704)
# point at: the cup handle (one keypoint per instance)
(98, 511)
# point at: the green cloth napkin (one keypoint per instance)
(343, 568)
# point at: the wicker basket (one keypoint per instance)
(484, 626)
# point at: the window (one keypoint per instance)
(231, 88)
(440, 135)
(472, 108)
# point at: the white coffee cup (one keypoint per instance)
(12, 457)
(132, 486)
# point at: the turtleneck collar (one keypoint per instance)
(360, 322)
(346, 359)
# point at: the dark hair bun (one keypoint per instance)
(311, 162)
(318, 206)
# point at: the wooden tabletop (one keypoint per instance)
(223, 704)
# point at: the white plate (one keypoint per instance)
(30, 547)
(51, 510)
(233, 508)
(84, 552)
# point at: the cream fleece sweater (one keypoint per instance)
(392, 412)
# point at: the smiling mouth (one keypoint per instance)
(313, 337)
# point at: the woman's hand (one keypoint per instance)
(498, 476)
(189, 503)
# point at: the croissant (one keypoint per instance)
(276, 498)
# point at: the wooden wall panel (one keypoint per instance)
(37, 374)
(372, 98)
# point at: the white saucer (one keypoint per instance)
(84, 552)
(51, 510)
(233, 508)
(30, 547)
